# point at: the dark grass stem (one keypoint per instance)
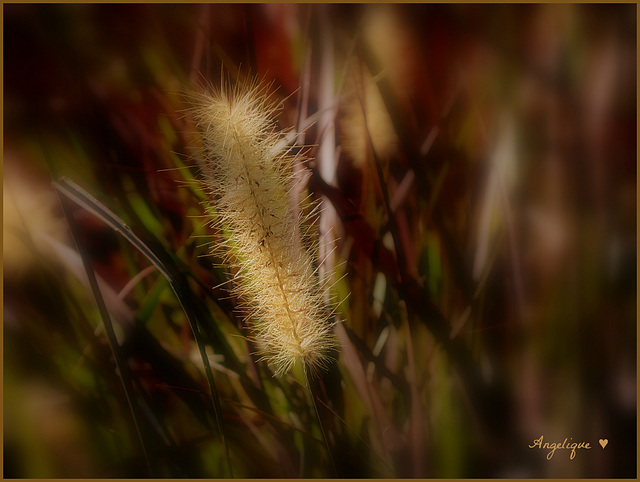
(391, 220)
(121, 364)
(485, 399)
(307, 381)
(72, 191)
(402, 269)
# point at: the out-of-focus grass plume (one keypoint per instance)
(475, 168)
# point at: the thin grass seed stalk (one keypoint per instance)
(248, 176)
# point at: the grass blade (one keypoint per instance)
(121, 365)
(74, 192)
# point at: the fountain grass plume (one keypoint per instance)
(246, 169)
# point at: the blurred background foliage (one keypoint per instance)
(477, 167)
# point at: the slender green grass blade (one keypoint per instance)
(121, 364)
(74, 192)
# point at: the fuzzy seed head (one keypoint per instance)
(248, 175)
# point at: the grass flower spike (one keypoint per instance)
(248, 175)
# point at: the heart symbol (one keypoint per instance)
(603, 442)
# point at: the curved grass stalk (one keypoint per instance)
(74, 192)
